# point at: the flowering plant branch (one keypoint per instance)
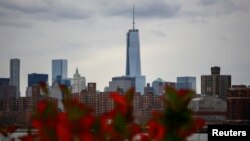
(175, 123)
(78, 123)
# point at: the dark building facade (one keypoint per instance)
(148, 89)
(7, 91)
(35, 78)
(92, 87)
(238, 105)
(215, 84)
(4, 81)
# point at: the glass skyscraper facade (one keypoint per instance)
(186, 83)
(133, 61)
(35, 78)
(15, 75)
(59, 69)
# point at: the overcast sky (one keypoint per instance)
(177, 37)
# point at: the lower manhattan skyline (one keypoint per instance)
(177, 38)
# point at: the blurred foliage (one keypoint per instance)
(78, 123)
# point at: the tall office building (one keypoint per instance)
(133, 59)
(15, 75)
(186, 83)
(215, 84)
(78, 83)
(35, 78)
(59, 69)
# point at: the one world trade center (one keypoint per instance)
(133, 58)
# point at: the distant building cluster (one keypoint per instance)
(17, 110)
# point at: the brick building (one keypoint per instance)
(238, 105)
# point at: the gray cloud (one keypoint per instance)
(49, 10)
(213, 8)
(158, 33)
(75, 10)
(208, 2)
(2, 12)
(160, 9)
(15, 24)
(25, 8)
(224, 7)
(146, 9)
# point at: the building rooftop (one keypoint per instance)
(159, 80)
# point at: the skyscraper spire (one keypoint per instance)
(77, 71)
(133, 16)
(133, 62)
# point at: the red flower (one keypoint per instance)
(199, 123)
(87, 122)
(119, 99)
(121, 102)
(87, 136)
(63, 127)
(37, 124)
(156, 130)
(41, 106)
(182, 92)
(63, 119)
(106, 122)
(133, 130)
(63, 132)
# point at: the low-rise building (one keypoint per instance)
(212, 109)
